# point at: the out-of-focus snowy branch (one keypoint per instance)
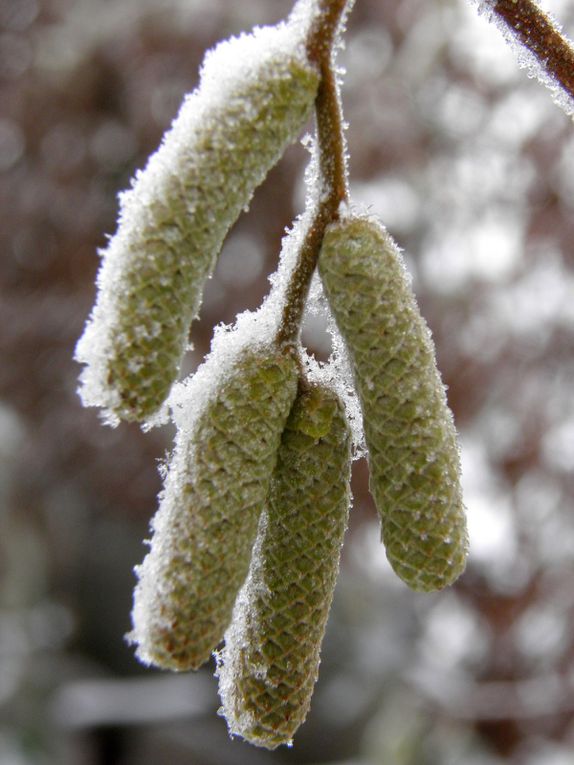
(542, 47)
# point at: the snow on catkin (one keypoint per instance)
(269, 664)
(409, 430)
(255, 94)
(203, 533)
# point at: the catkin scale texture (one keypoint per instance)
(269, 664)
(172, 226)
(409, 429)
(207, 522)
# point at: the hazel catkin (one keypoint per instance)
(269, 664)
(409, 429)
(206, 524)
(173, 221)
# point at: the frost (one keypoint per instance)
(526, 59)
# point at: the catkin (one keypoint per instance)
(409, 429)
(207, 522)
(173, 223)
(269, 664)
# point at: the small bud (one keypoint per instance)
(409, 429)
(207, 521)
(269, 664)
(173, 221)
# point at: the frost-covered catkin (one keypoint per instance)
(269, 664)
(409, 429)
(256, 93)
(207, 522)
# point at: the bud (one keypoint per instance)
(409, 429)
(270, 661)
(255, 95)
(207, 521)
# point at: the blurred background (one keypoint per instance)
(471, 166)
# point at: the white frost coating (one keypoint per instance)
(225, 68)
(190, 397)
(303, 13)
(526, 59)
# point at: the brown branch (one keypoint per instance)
(332, 165)
(531, 27)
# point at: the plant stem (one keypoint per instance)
(332, 181)
(528, 24)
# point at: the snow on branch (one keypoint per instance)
(540, 45)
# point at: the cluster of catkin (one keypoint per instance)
(247, 537)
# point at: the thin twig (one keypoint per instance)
(332, 165)
(533, 29)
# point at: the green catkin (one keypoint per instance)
(207, 522)
(409, 429)
(173, 223)
(269, 664)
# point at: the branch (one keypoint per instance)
(531, 27)
(332, 163)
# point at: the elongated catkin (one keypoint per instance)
(409, 429)
(173, 221)
(270, 661)
(206, 525)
